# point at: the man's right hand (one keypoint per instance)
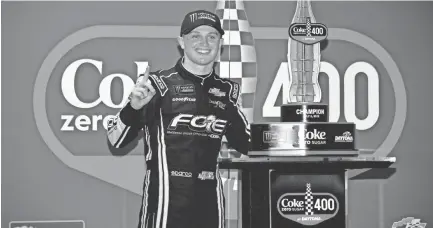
(143, 91)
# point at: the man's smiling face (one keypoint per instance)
(201, 45)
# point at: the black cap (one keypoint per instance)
(200, 17)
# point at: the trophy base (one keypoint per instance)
(298, 136)
(297, 153)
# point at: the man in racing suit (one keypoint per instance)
(187, 112)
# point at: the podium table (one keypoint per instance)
(295, 192)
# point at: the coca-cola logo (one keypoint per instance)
(291, 204)
(92, 122)
(314, 135)
(309, 137)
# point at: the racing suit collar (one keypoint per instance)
(194, 77)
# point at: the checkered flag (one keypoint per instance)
(309, 201)
(308, 26)
(237, 61)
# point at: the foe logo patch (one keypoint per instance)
(205, 124)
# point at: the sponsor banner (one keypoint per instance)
(307, 200)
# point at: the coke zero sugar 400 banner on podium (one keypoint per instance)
(68, 67)
(306, 200)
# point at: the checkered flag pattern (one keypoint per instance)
(237, 61)
(308, 26)
(309, 201)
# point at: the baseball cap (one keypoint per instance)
(200, 17)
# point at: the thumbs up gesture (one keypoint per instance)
(143, 91)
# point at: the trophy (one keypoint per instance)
(304, 128)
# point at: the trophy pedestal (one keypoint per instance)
(295, 192)
(296, 175)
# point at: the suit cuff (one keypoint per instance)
(130, 116)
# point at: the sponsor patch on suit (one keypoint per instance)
(184, 89)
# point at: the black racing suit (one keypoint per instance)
(183, 126)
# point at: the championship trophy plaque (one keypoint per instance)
(304, 128)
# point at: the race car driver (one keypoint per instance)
(184, 113)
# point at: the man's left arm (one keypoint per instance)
(238, 132)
